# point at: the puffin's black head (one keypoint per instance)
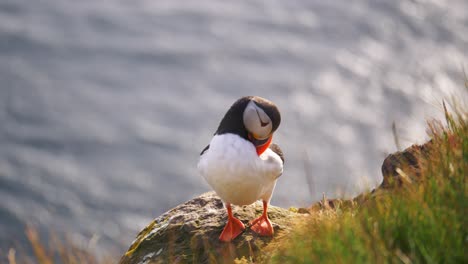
(254, 119)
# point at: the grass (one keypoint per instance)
(58, 250)
(418, 222)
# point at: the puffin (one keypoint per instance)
(241, 164)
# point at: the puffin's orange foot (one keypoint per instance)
(262, 226)
(233, 228)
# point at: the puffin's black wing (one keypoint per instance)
(276, 149)
(204, 150)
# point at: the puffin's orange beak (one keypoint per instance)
(260, 144)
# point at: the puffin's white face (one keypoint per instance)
(257, 122)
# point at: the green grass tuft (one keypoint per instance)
(419, 222)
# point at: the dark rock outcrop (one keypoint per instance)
(189, 233)
(404, 166)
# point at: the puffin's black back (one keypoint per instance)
(233, 120)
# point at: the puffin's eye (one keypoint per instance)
(257, 121)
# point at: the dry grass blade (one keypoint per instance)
(395, 136)
(12, 256)
(39, 250)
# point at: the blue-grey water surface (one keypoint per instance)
(105, 105)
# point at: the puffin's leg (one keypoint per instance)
(262, 224)
(233, 228)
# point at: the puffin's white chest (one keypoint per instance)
(238, 175)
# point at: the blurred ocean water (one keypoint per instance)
(105, 105)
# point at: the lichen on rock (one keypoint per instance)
(189, 233)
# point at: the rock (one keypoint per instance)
(189, 233)
(404, 166)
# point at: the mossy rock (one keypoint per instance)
(189, 233)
